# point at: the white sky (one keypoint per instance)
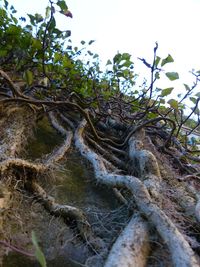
(133, 26)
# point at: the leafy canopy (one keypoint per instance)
(39, 53)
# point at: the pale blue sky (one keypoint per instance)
(133, 26)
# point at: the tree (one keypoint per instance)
(131, 138)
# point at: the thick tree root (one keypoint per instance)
(56, 124)
(131, 247)
(13, 163)
(65, 211)
(67, 121)
(71, 215)
(59, 153)
(14, 88)
(145, 166)
(106, 154)
(143, 160)
(68, 213)
(197, 197)
(13, 136)
(181, 252)
(145, 189)
(197, 210)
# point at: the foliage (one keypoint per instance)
(38, 253)
(42, 56)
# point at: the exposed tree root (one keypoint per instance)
(144, 161)
(107, 154)
(110, 168)
(197, 210)
(120, 197)
(59, 153)
(30, 170)
(68, 213)
(132, 246)
(56, 124)
(66, 120)
(24, 164)
(145, 166)
(108, 129)
(181, 252)
(14, 89)
(197, 197)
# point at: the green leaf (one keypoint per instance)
(38, 253)
(40, 257)
(48, 12)
(166, 60)
(181, 106)
(109, 62)
(193, 99)
(38, 18)
(120, 74)
(162, 101)
(52, 24)
(91, 42)
(36, 44)
(13, 10)
(127, 64)
(28, 28)
(157, 61)
(67, 13)
(167, 91)
(3, 52)
(117, 58)
(14, 19)
(157, 75)
(196, 111)
(3, 13)
(172, 75)
(90, 53)
(152, 115)
(34, 240)
(32, 19)
(67, 34)
(13, 29)
(126, 56)
(6, 4)
(186, 87)
(96, 56)
(62, 5)
(158, 90)
(67, 62)
(57, 57)
(197, 94)
(173, 104)
(28, 77)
